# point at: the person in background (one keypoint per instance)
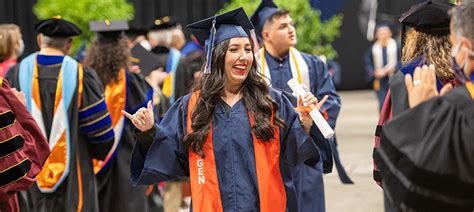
(160, 33)
(280, 61)
(124, 90)
(172, 88)
(24, 148)
(150, 67)
(382, 60)
(425, 42)
(11, 46)
(66, 100)
(176, 85)
(425, 156)
(194, 58)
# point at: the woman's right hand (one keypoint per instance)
(143, 119)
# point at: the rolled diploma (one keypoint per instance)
(318, 119)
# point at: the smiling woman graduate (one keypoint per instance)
(234, 137)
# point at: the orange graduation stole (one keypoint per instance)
(203, 173)
(116, 99)
(56, 167)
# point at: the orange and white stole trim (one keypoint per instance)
(203, 173)
(57, 166)
(299, 68)
(116, 100)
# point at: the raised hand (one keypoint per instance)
(143, 119)
(422, 86)
(303, 111)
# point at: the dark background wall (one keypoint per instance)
(20, 12)
(186, 11)
(351, 46)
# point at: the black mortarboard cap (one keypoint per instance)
(108, 31)
(163, 23)
(147, 61)
(266, 9)
(429, 17)
(57, 27)
(135, 30)
(218, 28)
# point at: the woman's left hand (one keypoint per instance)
(308, 100)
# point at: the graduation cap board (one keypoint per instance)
(266, 9)
(147, 61)
(134, 30)
(163, 23)
(431, 17)
(108, 31)
(213, 30)
(57, 27)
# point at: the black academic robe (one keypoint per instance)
(160, 50)
(426, 155)
(79, 189)
(116, 192)
(189, 65)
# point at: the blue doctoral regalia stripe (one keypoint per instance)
(106, 121)
(102, 138)
(89, 112)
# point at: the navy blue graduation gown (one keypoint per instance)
(310, 179)
(159, 155)
(370, 69)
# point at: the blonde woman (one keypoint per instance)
(11, 46)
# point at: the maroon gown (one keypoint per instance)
(23, 148)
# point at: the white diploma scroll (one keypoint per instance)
(318, 119)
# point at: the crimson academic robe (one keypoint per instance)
(23, 148)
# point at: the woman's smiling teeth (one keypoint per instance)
(240, 68)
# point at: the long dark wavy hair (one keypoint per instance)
(255, 95)
(107, 58)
